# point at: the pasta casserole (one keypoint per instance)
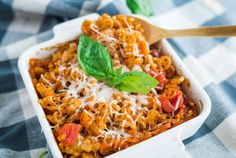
(94, 118)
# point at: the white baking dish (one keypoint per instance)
(166, 144)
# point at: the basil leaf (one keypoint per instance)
(94, 58)
(142, 7)
(112, 76)
(135, 81)
(43, 154)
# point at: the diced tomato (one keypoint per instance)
(71, 132)
(170, 105)
(160, 77)
(177, 100)
(152, 73)
(165, 104)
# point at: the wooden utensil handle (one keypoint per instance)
(211, 31)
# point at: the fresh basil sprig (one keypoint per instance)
(135, 81)
(95, 60)
(43, 154)
(142, 7)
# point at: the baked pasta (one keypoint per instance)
(89, 118)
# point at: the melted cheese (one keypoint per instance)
(105, 93)
(116, 133)
(91, 92)
(147, 67)
(101, 93)
(111, 43)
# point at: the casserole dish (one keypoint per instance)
(171, 139)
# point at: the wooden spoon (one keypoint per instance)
(153, 33)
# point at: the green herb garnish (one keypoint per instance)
(135, 81)
(142, 7)
(43, 154)
(95, 60)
